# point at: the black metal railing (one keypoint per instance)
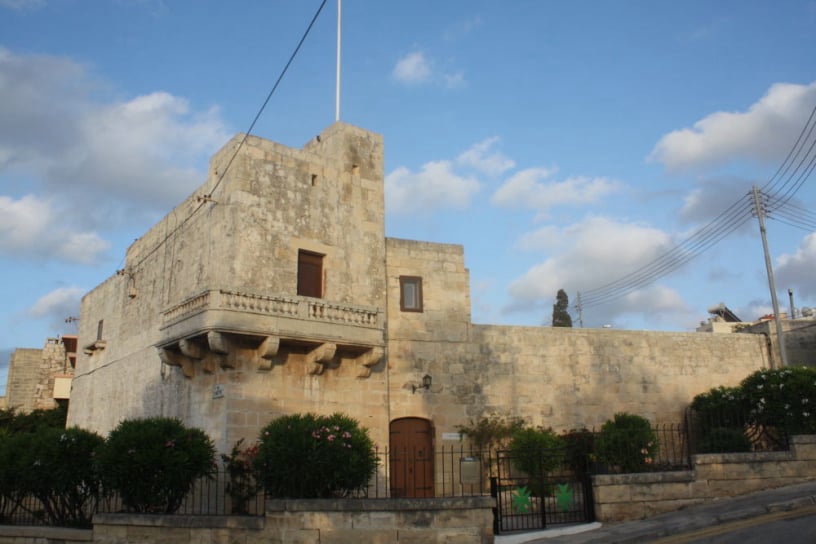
(454, 471)
(727, 430)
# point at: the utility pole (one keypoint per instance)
(759, 209)
(580, 308)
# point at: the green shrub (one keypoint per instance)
(782, 401)
(152, 463)
(627, 442)
(724, 440)
(14, 465)
(579, 447)
(536, 452)
(14, 422)
(717, 410)
(491, 432)
(311, 456)
(63, 474)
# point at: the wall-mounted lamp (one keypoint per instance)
(426, 384)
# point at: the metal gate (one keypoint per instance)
(529, 502)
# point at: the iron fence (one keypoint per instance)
(733, 429)
(447, 472)
(458, 471)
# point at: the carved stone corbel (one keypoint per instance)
(316, 358)
(174, 358)
(368, 359)
(191, 349)
(267, 351)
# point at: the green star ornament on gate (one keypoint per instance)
(521, 500)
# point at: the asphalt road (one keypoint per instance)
(790, 527)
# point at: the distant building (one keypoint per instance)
(41, 378)
(799, 333)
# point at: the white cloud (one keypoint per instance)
(57, 305)
(128, 157)
(545, 238)
(765, 132)
(462, 28)
(527, 189)
(481, 157)
(592, 254)
(412, 68)
(435, 186)
(416, 68)
(35, 228)
(797, 270)
(20, 5)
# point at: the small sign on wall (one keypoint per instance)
(451, 436)
(218, 391)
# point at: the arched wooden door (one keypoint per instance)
(411, 457)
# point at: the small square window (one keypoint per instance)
(410, 293)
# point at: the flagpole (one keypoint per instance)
(337, 93)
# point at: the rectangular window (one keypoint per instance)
(310, 274)
(410, 293)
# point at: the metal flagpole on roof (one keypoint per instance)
(337, 93)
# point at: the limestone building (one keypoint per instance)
(41, 378)
(274, 290)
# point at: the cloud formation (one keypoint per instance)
(530, 188)
(765, 132)
(33, 227)
(417, 69)
(20, 5)
(412, 68)
(132, 158)
(480, 156)
(586, 255)
(796, 270)
(63, 301)
(434, 187)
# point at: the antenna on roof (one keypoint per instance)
(337, 93)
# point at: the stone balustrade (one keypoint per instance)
(274, 305)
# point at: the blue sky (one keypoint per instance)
(565, 144)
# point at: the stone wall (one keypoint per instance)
(620, 497)
(564, 378)
(23, 377)
(11, 534)
(31, 374)
(554, 377)
(241, 232)
(351, 521)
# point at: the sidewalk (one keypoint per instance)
(672, 523)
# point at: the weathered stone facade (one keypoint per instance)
(205, 322)
(39, 378)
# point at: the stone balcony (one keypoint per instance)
(229, 328)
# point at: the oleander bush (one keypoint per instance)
(63, 474)
(782, 400)
(243, 485)
(627, 443)
(313, 456)
(766, 408)
(153, 463)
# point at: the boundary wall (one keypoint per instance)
(621, 497)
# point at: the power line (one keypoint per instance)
(208, 197)
(777, 196)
